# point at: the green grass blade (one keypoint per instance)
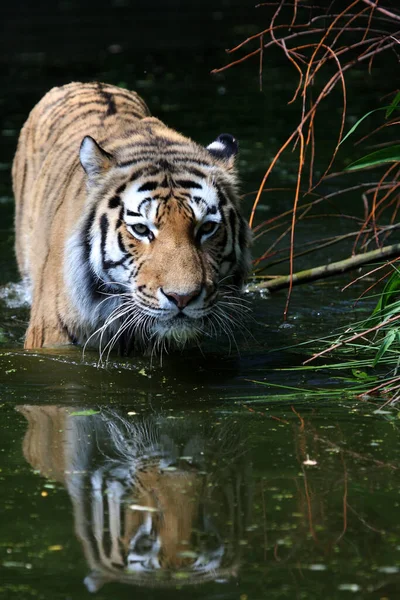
(385, 155)
(352, 130)
(393, 105)
(387, 342)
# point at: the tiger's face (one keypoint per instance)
(164, 238)
(176, 532)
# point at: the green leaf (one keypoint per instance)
(393, 106)
(387, 298)
(387, 342)
(352, 130)
(84, 413)
(389, 109)
(361, 375)
(385, 155)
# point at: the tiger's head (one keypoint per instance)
(162, 236)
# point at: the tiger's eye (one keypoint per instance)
(208, 227)
(141, 229)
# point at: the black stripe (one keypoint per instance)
(137, 174)
(242, 233)
(191, 160)
(108, 99)
(138, 268)
(111, 108)
(232, 223)
(187, 184)
(120, 243)
(109, 264)
(156, 144)
(129, 163)
(173, 156)
(143, 202)
(224, 240)
(92, 281)
(165, 184)
(196, 172)
(114, 202)
(131, 213)
(222, 200)
(104, 231)
(149, 186)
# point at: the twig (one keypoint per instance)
(388, 13)
(323, 243)
(324, 271)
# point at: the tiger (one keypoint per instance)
(151, 506)
(127, 231)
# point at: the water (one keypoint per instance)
(255, 485)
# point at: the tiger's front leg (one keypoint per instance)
(46, 327)
(44, 334)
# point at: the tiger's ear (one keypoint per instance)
(224, 148)
(94, 159)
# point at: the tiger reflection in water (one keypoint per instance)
(156, 501)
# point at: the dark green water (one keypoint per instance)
(255, 490)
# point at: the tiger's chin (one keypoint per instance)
(178, 331)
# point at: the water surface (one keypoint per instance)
(219, 473)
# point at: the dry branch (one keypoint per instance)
(343, 36)
(329, 270)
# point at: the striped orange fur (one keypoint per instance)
(125, 229)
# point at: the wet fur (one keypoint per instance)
(90, 280)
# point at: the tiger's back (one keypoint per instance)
(124, 227)
(46, 164)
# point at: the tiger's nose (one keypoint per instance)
(182, 300)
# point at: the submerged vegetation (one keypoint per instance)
(325, 46)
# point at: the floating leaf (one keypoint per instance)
(349, 587)
(13, 563)
(309, 462)
(358, 374)
(181, 575)
(188, 554)
(140, 507)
